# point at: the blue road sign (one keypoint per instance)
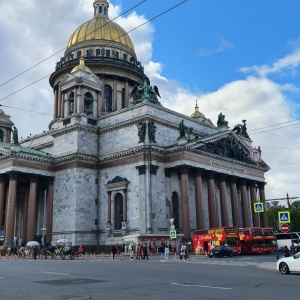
(258, 207)
(284, 217)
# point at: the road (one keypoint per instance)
(240, 277)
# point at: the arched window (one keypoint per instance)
(108, 98)
(88, 103)
(123, 98)
(175, 209)
(1, 138)
(71, 103)
(118, 211)
(100, 10)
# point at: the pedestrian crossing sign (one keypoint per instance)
(173, 234)
(258, 207)
(284, 217)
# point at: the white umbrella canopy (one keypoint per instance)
(63, 241)
(32, 244)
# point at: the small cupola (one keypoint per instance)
(101, 8)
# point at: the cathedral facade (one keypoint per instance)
(115, 165)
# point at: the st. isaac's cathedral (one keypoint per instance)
(115, 165)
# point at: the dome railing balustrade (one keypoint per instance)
(64, 62)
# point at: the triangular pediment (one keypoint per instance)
(227, 147)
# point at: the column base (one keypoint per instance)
(108, 229)
(124, 227)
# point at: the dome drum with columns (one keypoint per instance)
(113, 171)
(109, 52)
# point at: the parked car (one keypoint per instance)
(289, 264)
(221, 251)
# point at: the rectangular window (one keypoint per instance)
(107, 53)
(97, 52)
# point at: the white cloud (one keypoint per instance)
(287, 64)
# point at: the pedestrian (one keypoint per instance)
(130, 249)
(286, 251)
(145, 252)
(113, 251)
(80, 251)
(35, 251)
(186, 253)
(162, 251)
(182, 252)
(167, 252)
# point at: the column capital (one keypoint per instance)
(232, 179)
(252, 183)
(153, 169)
(33, 177)
(222, 176)
(261, 185)
(49, 180)
(183, 169)
(168, 172)
(13, 175)
(2, 177)
(141, 169)
(210, 174)
(109, 193)
(242, 181)
(197, 172)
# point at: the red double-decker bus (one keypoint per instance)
(206, 239)
(252, 240)
(270, 240)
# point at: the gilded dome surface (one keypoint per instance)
(100, 28)
(197, 113)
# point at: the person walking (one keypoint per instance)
(130, 249)
(182, 252)
(162, 251)
(35, 251)
(113, 251)
(187, 253)
(145, 252)
(80, 251)
(167, 252)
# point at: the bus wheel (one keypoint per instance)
(283, 268)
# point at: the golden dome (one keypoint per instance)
(100, 28)
(197, 113)
(2, 112)
(81, 67)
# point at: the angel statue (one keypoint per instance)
(144, 93)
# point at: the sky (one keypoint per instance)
(240, 58)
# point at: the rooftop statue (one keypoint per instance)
(221, 120)
(144, 93)
(15, 135)
(240, 129)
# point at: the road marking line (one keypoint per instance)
(56, 273)
(203, 286)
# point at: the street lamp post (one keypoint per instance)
(289, 207)
(274, 203)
